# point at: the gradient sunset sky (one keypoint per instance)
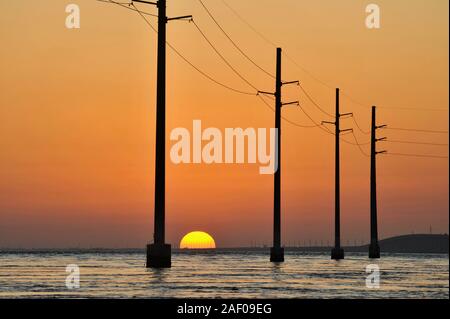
(77, 121)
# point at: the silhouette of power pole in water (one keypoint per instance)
(277, 252)
(374, 248)
(337, 252)
(159, 253)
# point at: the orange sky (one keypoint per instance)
(77, 121)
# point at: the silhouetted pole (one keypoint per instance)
(337, 252)
(374, 248)
(276, 251)
(159, 253)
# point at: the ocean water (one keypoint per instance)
(230, 274)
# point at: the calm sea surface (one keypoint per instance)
(232, 274)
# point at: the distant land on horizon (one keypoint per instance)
(413, 243)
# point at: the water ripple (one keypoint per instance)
(222, 275)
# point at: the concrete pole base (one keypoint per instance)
(159, 256)
(374, 251)
(337, 253)
(277, 254)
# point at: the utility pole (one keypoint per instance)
(159, 253)
(277, 252)
(374, 248)
(337, 252)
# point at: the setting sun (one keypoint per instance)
(197, 240)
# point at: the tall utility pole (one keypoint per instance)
(374, 248)
(159, 253)
(277, 252)
(337, 252)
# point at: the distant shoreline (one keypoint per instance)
(405, 244)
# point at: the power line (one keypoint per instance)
(359, 127)
(190, 63)
(413, 142)
(318, 80)
(328, 131)
(234, 43)
(415, 155)
(284, 118)
(315, 124)
(356, 143)
(141, 13)
(303, 69)
(311, 75)
(127, 5)
(356, 102)
(262, 36)
(359, 145)
(314, 103)
(223, 58)
(412, 108)
(415, 130)
(319, 125)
